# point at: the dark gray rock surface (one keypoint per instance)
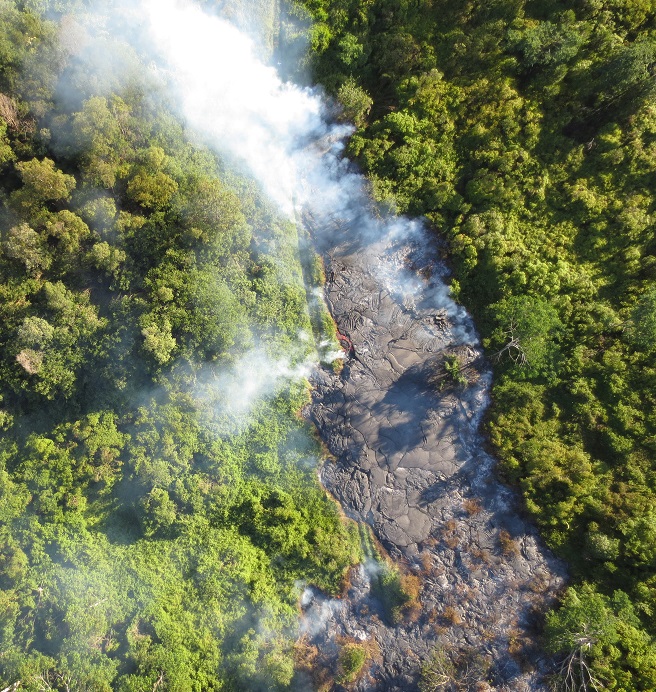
(410, 462)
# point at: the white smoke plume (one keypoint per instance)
(229, 394)
(231, 97)
(281, 134)
(318, 610)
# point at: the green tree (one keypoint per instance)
(158, 339)
(643, 321)
(160, 512)
(42, 183)
(640, 539)
(152, 190)
(631, 74)
(594, 635)
(100, 129)
(26, 246)
(6, 151)
(352, 658)
(546, 44)
(214, 217)
(106, 257)
(35, 331)
(355, 101)
(68, 230)
(526, 331)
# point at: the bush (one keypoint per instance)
(352, 658)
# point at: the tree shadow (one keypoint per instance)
(406, 407)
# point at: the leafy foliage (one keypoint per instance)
(352, 658)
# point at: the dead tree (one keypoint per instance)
(513, 347)
(575, 674)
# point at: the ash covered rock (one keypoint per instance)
(410, 462)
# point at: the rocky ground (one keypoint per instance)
(409, 461)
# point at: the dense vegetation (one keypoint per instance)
(525, 132)
(154, 522)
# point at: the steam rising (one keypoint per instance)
(282, 135)
(317, 611)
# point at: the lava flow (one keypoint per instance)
(410, 463)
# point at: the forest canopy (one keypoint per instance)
(156, 525)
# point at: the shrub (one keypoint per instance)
(352, 658)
